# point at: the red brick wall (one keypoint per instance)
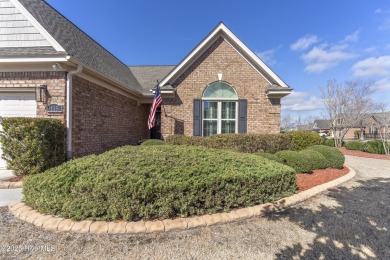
(56, 86)
(263, 113)
(103, 119)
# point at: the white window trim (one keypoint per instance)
(219, 114)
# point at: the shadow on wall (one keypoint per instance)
(356, 226)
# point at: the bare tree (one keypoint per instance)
(286, 121)
(347, 105)
(384, 131)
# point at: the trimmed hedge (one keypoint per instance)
(32, 145)
(317, 159)
(163, 181)
(304, 139)
(246, 143)
(354, 145)
(375, 146)
(153, 142)
(299, 161)
(335, 159)
(329, 142)
(269, 156)
(312, 158)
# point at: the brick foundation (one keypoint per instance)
(102, 119)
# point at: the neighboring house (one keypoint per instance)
(49, 68)
(375, 125)
(322, 126)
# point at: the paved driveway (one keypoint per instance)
(349, 222)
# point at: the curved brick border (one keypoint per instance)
(4, 184)
(26, 213)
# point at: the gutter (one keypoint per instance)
(69, 111)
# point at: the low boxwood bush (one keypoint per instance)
(328, 142)
(304, 139)
(354, 145)
(163, 181)
(317, 159)
(301, 162)
(335, 159)
(247, 143)
(375, 146)
(32, 145)
(269, 156)
(153, 142)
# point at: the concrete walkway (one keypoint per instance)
(5, 174)
(349, 222)
(8, 195)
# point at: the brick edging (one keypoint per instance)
(49, 222)
(4, 184)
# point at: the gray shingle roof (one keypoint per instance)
(79, 45)
(322, 124)
(147, 75)
(27, 51)
(382, 118)
(277, 88)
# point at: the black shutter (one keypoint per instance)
(197, 117)
(242, 111)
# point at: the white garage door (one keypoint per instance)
(18, 104)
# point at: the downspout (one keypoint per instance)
(69, 112)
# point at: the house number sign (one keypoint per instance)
(54, 108)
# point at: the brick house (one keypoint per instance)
(49, 68)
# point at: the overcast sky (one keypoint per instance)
(306, 43)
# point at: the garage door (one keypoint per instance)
(18, 104)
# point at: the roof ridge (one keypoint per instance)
(150, 65)
(83, 32)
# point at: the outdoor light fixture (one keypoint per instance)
(41, 94)
(219, 76)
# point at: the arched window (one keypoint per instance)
(219, 109)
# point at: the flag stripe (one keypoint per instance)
(157, 100)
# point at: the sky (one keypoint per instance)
(306, 43)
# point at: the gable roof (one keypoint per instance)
(382, 118)
(79, 45)
(322, 124)
(222, 31)
(147, 75)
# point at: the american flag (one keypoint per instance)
(157, 100)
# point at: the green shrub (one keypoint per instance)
(375, 146)
(32, 145)
(163, 181)
(333, 156)
(153, 142)
(269, 156)
(301, 162)
(317, 159)
(329, 142)
(304, 139)
(354, 145)
(247, 143)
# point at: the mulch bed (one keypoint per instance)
(306, 181)
(364, 154)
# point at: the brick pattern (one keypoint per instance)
(56, 86)
(103, 119)
(263, 113)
